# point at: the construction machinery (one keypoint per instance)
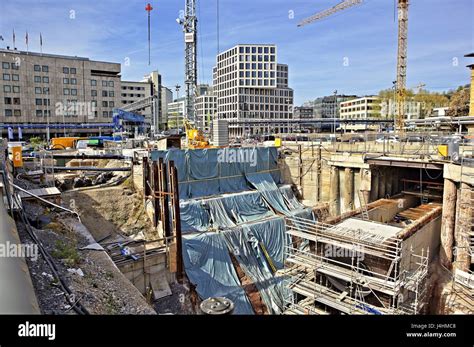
(195, 137)
(402, 50)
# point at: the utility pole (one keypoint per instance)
(335, 113)
(148, 8)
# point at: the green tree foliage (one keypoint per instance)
(459, 102)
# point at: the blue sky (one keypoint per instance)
(440, 33)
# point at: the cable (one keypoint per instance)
(77, 306)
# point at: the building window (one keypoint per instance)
(73, 81)
(104, 93)
(93, 82)
(6, 65)
(45, 79)
(16, 101)
(93, 92)
(16, 89)
(8, 113)
(111, 93)
(45, 90)
(66, 91)
(8, 101)
(39, 113)
(6, 77)
(66, 80)
(73, 70)
(37, 68)
(38, 102)
(45, 68)
(73, 91)
(94, 103)
(104, 83)
(7, 89)
(65, 70)
(17, 113)
(111, 104)
(111, 83)
(37, 90)
(37, 79)
(105, 114)
(15, 77)
(104, 104)
(15, 66)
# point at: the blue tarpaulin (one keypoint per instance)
(214, 171)
(209, 267)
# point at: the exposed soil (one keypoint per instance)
(107, 212)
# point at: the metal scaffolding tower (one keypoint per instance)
(320, 283)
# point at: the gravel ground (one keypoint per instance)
(99, 285)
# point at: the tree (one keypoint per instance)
(459, 103)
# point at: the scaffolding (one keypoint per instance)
(321, 282)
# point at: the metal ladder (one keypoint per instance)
(363, 205)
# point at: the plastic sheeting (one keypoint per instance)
(248, 245)
(209, 267)
(216, 171)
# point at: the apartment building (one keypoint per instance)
(252, 90)
(131, 92)
(39, 90)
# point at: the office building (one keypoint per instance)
(41, 89)
(252, 90)
(206, 109)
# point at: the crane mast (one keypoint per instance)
(190, 38)
(402, 50)
(402, 63)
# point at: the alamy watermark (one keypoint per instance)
(75, 108)
(19, 250)
(331, 251)
(237, 155)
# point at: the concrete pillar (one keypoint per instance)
(463, 227)
(447, 223)
(334, 192)
(382, 182)
(348, 197)
(374, 192)
(388, 181)
(396, 181)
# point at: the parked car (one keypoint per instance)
(387, 139)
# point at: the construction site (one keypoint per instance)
(198, 223)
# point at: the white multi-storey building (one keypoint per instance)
(366, 107)
(206, 109)
(252, 90)
(176, 112)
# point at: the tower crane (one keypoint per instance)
(402, 49)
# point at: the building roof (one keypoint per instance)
(48, 55)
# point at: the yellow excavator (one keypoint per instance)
(195, 137)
